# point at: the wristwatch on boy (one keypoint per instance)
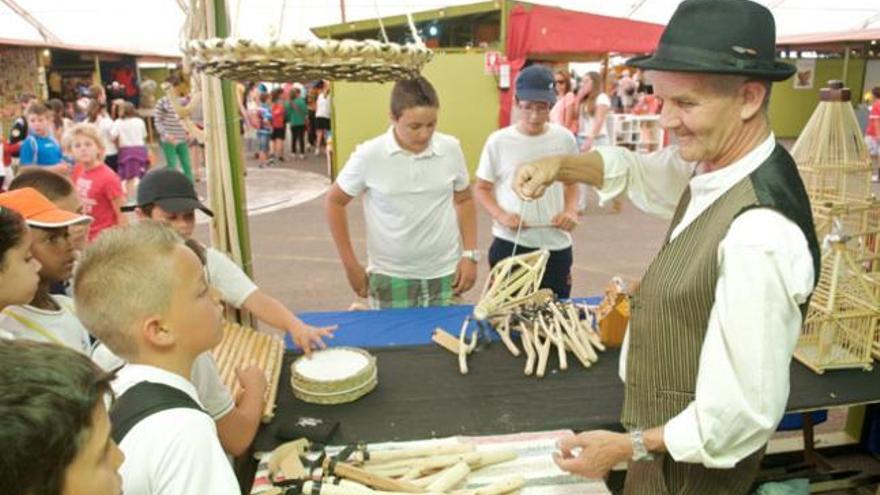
(640, 451)
(471, 254)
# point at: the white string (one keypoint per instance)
(522, 209)
(281, 20)
(379, 18)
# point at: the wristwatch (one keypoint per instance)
(640, 452)
(472, 255)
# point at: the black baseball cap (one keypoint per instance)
(169, 189)
(535, 83)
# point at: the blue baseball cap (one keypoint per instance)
(535, 83)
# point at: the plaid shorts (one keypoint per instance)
(393, 292)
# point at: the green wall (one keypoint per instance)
(468, 106)
(790, 108)
(158, 74)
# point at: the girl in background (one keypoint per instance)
(133, 157)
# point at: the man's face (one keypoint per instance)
(533, 116)
(415, 127)
(38, 124)
(183, 222)
(194, 316)
(53, 249)
(704, 121)
(78, 233)
(84, 149)
(19, 273)
(95, 468)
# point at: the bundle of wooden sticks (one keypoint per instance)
(438, 469)
(244, 346)
(542, 322)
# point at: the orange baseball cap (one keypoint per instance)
(38, 211)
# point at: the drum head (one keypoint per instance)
(331, 365)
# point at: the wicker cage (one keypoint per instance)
(348, 60)
(244, 346)
(842, 319)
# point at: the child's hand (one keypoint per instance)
(307, 337)
(252, 379)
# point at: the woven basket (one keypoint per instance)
(348, 60)
(339, 391)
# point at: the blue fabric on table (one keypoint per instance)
(394, 327)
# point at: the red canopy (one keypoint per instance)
(538, 30)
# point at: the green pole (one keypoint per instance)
(230, 111)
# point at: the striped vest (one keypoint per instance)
(670, 310)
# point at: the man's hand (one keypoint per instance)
(307, 337)
(533, 178)
(357, 279)
(567, 221)
(252, 379)
(510, 220)
(465, 276)
(600, 451)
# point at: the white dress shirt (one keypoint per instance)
(765, 272)
(172, 452)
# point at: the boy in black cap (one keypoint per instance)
(546, 222)
(168, 196)
(718, 313)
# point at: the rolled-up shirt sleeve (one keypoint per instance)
(653, 182)
(765, 274)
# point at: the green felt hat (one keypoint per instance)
(736, 37)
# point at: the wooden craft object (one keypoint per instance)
(371, 479)
(529, 346)
(450, 477)
(510, 281)
(509, 485)
(843, 317)
(295, 448)
(386, 456)
(446, 340)
(241, 346)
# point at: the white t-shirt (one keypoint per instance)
(228, 278)
(412, 228)
(172, 452)
(108, 132)
(213, 394)
(585, 124)
(131, 131)
(57, 327)
(505, 150)
(322, 106)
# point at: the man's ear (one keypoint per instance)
(156, 333)
(752, 95)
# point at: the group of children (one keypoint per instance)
(419, 209)
(143, 318)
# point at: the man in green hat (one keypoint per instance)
(718, 312)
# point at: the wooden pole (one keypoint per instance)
(342, 9)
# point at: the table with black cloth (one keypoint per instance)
(421, 393)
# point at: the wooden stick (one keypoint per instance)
(445, 340)
(463, 347)
(525, 333)
(507, 485)
(386, 456)
(504, 332)
(553, 331)
(276, 362)
(372, 480)
(450, 477)
(543, 349)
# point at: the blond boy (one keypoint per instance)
(170, 443)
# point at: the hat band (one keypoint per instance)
(708, 58)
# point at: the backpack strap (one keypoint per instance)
(144, 400)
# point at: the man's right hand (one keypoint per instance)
(533, 178)
(357, 279)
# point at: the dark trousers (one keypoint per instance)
(313, 136)
(298, 135)
(557, 276)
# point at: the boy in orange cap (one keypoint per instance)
(48, 318)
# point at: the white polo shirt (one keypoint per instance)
(505, 150)
(412, 228)
(172, 452)
(229, 279)
(42, 325)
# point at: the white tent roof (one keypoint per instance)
(141, 27)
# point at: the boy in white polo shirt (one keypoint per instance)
(547, 221)
(170, 443)
(417, 205)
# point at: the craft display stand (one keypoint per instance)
(840, 329)
(244, 346)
